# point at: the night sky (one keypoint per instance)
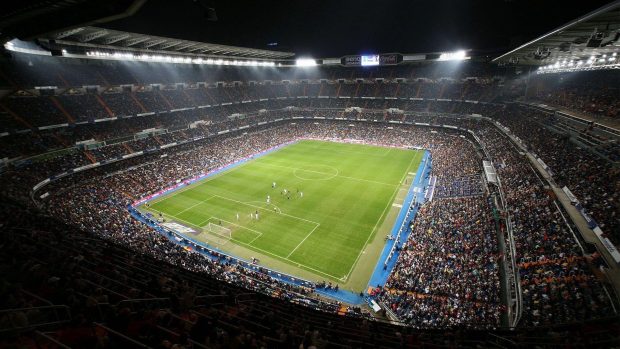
(322, 28)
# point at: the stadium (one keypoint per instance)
(194, 189)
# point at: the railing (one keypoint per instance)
(213, 299)
(245, 298)
(22, 319)
(502, 341)
(45, 341)
(515, 289)
(144, 304)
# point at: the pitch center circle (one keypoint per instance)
(316, 172)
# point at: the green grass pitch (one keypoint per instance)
(348, 190)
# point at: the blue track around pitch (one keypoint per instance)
(378, 277)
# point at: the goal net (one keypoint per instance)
(219, 230)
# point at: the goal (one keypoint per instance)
(219, 230)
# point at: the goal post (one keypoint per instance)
(219, 230)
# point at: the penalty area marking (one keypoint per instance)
(278, 210)
(265, 251)
(231, 223)
(201, 225)
(265, 209)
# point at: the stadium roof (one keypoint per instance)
(108, 39)
(593, 35)
(28, 19)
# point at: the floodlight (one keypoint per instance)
(453, 56)
(305, 62)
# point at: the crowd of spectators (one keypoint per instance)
(557, 285)
(447, 273)
(438, 282)
(594, 93)
(116, 296)
(595, 181)
(25, 110)
(99, 204)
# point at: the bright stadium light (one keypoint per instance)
(593, 63)
(178, 59)
(453, 56)
(305, 62)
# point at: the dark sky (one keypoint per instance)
(332, 28)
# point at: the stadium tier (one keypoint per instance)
(398, 205)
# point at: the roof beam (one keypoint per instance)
(600, 15)
(169, 44)
(186, 45)
(194, 49)
(66, 33)
(153, 43)
(135, 41)
(92, 36)
(116, 38)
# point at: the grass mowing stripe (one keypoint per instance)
(326, 173)
(262, 208)
(267, 252)
(320, 235)
(189, 208)
(382, 214)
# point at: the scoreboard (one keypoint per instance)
(371, 60)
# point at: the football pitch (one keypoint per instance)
(325, 219)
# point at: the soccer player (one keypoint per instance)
(273, 185)
(268, 199)
(256, 214)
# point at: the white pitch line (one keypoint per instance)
(196, 184)
(238, 225)
(379, 220)
(183, 220)
(189, 208)
(270, 253)
(326, 173)
(302, 241)
(266, 209)
(202, 224)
